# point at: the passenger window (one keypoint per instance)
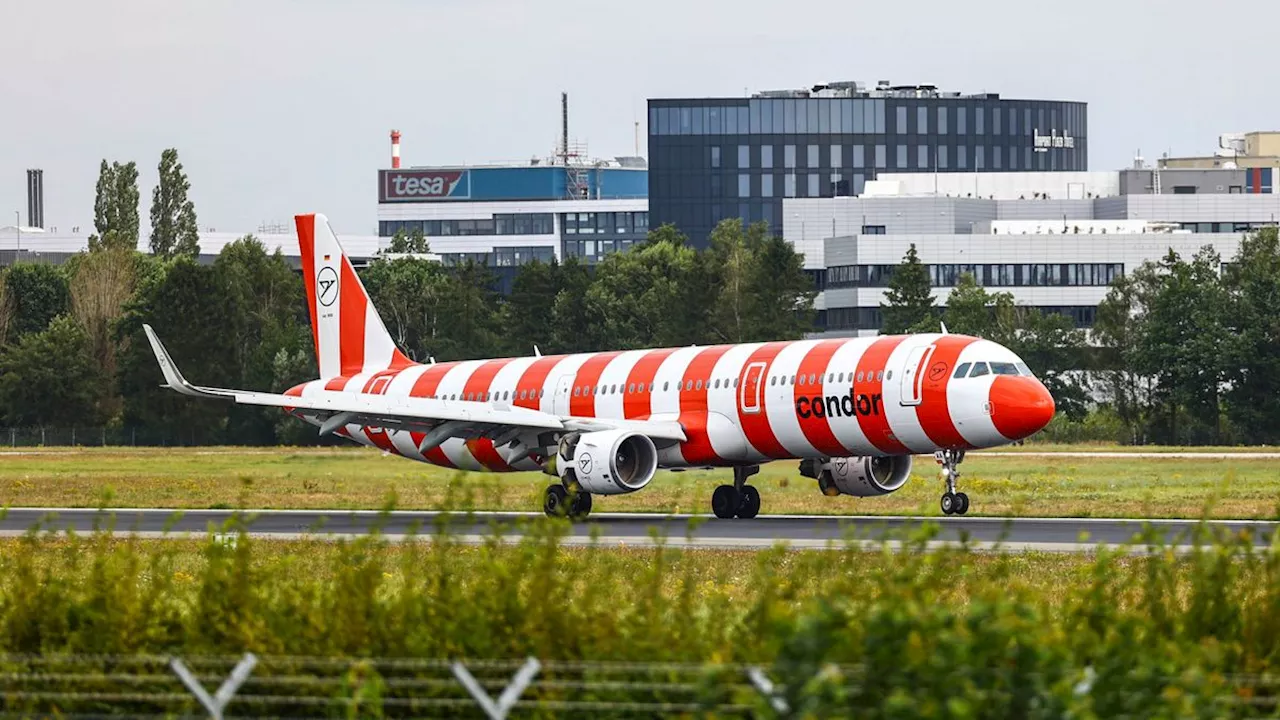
(735, 382)
(698, 386)
(831, 377)
(802, 380)
(812, 379)
(773, 380)
(666, 386)
(613, 389)
(888, 375)
(879, 376)
(859, 377)
(963, 370)
(793, 379)
(979, 369)
(1004, 368)
(576, 392)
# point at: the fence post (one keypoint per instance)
(41, 436)
(509, 696)
(216, 704)
(768, 690)
(73, 436)
(104, 436)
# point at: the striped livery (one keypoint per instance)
(737, 404)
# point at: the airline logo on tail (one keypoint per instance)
(327, 283)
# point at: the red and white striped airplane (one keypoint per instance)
(853, 410)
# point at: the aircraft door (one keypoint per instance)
(560, 401)
(752, 388)
(912, 379)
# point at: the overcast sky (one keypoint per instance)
(284, 106)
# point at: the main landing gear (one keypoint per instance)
(559, 501)
(738, 499)
(953, 503)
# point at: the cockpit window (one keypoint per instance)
(1004, 368)
(979, 369)
(1024, 370)
(962, 371)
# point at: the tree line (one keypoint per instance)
(1184, 351)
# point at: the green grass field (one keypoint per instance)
(1021, 482)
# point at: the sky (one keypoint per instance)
(278, 107)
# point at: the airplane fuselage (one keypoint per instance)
(738, 404)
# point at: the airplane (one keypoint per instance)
(852, 411)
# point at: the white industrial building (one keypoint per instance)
(1053, 240)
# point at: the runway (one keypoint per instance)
(638, 529)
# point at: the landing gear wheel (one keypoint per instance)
(724, 502)
(749, 505)
(581, 505)
(555, 501)
(953, 503)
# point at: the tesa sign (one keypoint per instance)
(418, 185)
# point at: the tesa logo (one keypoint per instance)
(410, 185)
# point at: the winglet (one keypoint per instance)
(172, 376)
(536, 351)
(944, 327)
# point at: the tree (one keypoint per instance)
(910, 297)
(469, 315)
(49, 379)
(530, 307)
(413, 242)
(36, 293)
(1115, 331)
(173, 216)
(409, 293)
(102, 283)
(1253, 368)
(190, 308)
(569, 316)
(760, 288)
(971, 310)
(115, 207)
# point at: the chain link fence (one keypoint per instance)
(217, 687)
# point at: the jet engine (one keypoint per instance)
(607, 462)
(859, 476)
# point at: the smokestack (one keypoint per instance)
(564, 126)
(395, 149)
(35, 198)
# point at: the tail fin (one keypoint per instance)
(349, 334)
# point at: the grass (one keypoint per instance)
(359, 478)
(912, 634)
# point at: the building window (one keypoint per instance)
(942, 119)
(766, 156)
(980, 120)
(837, 156)
(744, 185)
(873, 230)
(922, 157)
(922, 120)
(859, 156)
(995, 120)
(813, 185)
(942, 157)
(962, 118)
(744, 157)
(881, 153)
(902, 120)
(1184, 189)
(715, 156)
(962, 157)
(902, 157)
(789, 156)
(766, 185)
(812, 158)
(996, 155)
(789, 185)
(979, 157)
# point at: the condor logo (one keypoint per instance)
(851, 405)
(410, 185)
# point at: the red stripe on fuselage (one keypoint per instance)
(533, 380)
(756, 425)
(817, 427)
(351, 318)
(426, 386)
(693, 405)
(582, 400)
(640, 404)
(477, 386)
(875, 423)
(933, 411)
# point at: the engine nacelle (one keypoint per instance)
(607, 462)
(859, 476)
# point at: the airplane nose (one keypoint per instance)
(1020, 406)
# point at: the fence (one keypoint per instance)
(156, 686)
(98, 436)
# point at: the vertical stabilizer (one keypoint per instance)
(350, 337)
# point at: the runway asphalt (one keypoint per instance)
(637, 529)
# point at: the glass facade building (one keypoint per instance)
(717, 158)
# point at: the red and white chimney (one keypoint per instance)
(395, 149)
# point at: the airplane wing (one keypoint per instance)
(439, 418)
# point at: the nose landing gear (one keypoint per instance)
(953, 503)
